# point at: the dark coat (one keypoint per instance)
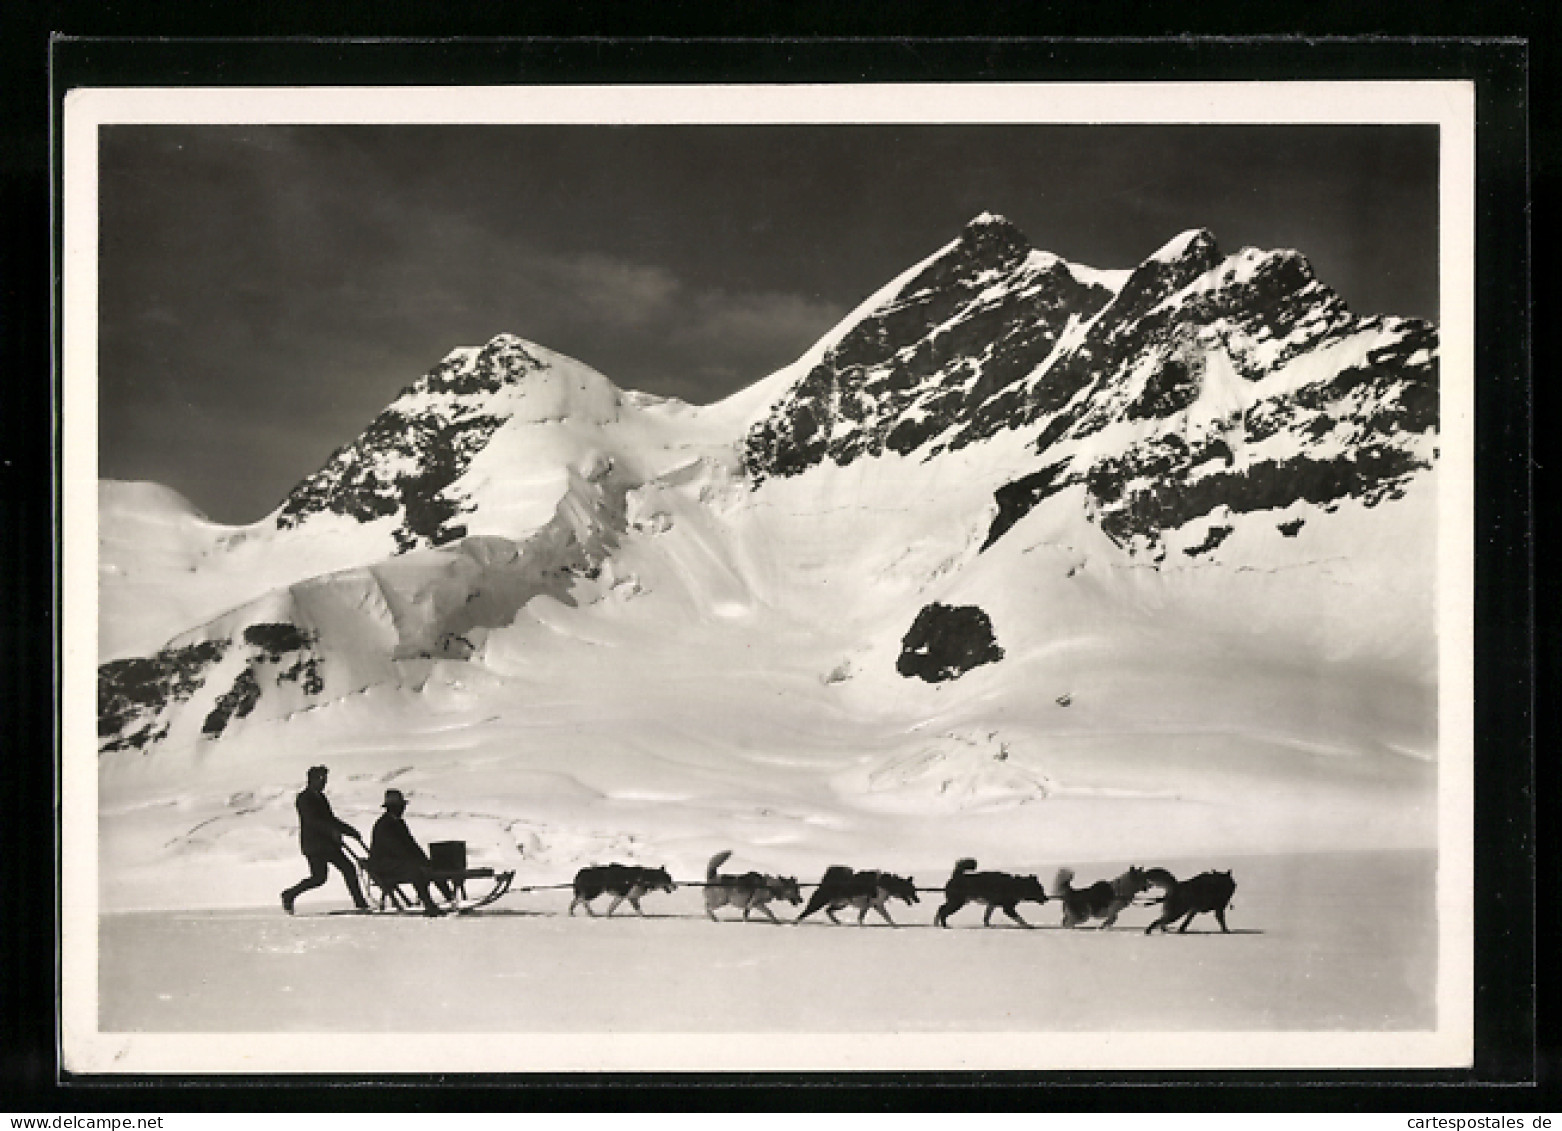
(392, 846)
(319, 831)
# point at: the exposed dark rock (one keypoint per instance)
(1055, 430)
(1170, 389)
(135, 695)
(275, 638)
(305, 673)
(1157, 279)
(1370, 474)
(135, 691)
(409, 454)
(988, 243)
(235, 703)
(977, 321)
(1216, 535)
(1292, 528)
(946, 641)
(356, 483)
(1017, 499)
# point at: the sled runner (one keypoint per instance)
(448, 874)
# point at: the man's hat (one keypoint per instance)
(393, 797)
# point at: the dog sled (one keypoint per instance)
(448, 877)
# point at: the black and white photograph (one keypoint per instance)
(809, 578)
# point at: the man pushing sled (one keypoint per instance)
(320, 835)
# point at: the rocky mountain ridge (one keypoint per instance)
(1205, 353)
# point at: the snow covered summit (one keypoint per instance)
(404, 463)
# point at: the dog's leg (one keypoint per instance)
(765, 907)
(1220, 917)
(1013, 913)
(573, 904)
(830, 911)
(987, 917)
(942, 918)
(635, 903)
(1111, 915)
(612, 907)
(884, 911)
(1182, 930)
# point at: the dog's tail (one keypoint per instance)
(1161, 878)
(716, 861)
(964, 864)
(1064, 878)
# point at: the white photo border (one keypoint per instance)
(1447, 104)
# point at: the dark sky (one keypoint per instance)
(266, 290)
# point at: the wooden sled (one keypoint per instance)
(448, 878)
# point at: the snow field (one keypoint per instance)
(1319, 942)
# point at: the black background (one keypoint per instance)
(1517, 1067)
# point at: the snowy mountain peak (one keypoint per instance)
(145, 500)
(985, 219)
(1164, 397)
(402, 464)
(978, 317)
(1193, 243)
(1173, 266)
(993, 231)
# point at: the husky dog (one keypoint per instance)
(996, 889)
(1208, 891)
(1101, 900)
(865, 891)
(622, 881)
(748, 891)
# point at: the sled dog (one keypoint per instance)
(866, 891)
(1208, 891)
(748, 891)
(622, 881)
(996, 889)
(1101, 900)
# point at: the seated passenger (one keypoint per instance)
(396, 858)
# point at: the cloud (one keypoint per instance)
(648, 328)
(764, 323)
(608, 291)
